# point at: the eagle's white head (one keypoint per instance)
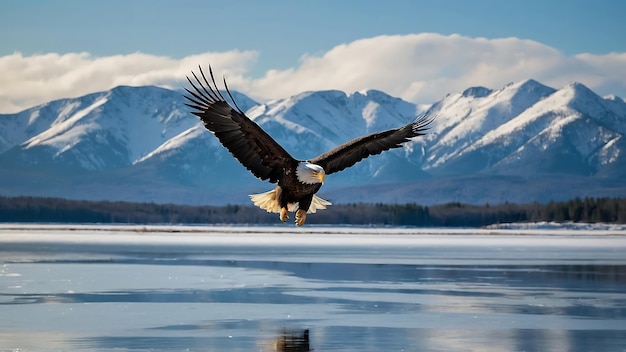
(310, 173)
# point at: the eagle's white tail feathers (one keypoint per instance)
(269, 202)
(266, 201)
(318, 204)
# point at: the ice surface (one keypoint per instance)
(221, 288)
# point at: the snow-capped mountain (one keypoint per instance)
(529, 128)
(467, 117)
(96, 132)
(523, 142)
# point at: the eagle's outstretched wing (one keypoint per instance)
(245, 140)
(360, 148)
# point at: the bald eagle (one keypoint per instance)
(298, 180)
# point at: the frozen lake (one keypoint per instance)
(178, 288)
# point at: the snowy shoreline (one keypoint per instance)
(545, 225)
(531, 228)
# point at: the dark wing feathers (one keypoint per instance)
(358, 149)
(245, 140)
(265, 158)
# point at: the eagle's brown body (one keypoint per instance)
(298, 180)
(291, 191)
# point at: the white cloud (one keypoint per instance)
(30, 80)
(424, 67)
(420, 67)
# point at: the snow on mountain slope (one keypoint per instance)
(175, 143)
(194, 157)
(463, 119)
(68, 129)
(560, 133)
(311, 123)
(17, 128)
(326, 119)
(105, 130)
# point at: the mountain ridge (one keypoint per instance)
(486, 145)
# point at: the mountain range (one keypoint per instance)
(523, 142)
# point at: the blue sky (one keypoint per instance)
(264, 45)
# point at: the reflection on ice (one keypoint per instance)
(124, 290)
(292, 341)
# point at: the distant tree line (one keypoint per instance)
(57, 210)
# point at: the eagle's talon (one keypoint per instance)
(284, 215)
(300, 217)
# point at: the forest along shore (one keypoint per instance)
(58, 210)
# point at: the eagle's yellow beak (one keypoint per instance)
(320, 176)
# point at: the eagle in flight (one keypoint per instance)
(298, 180)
